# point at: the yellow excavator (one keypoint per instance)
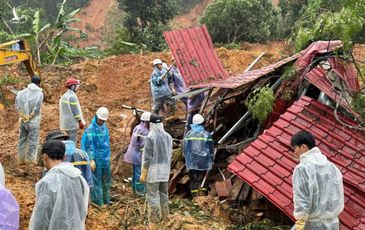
(18, 51)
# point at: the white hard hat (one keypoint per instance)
(145, 116)
(157, 61)
(102, 113)
(198, 119)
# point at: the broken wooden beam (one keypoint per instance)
(191, 93)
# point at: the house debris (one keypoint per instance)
(312, 90)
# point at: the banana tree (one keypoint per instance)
(49, 36)
(37, 30)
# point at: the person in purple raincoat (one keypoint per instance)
(134, 152)
(194, 104)
(177, 84)
(9, 209)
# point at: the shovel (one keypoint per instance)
(224, 187)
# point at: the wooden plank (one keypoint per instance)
(175, 178)
(236, 188)
(244, 192)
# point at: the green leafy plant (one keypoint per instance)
(146, 20)
(239, 20)
(358, 103)
(289, 73)
(260, 102)
(324, 20)
(9, 80)
(265, 225)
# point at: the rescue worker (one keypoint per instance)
(160, 90)
(193, 105)
(95, 141)
(134, 152)
(28, 103)
(318, 192)
(9, 209)
(61, 195)
(71, 118)
(176, 82)
(156, 161)
(75, 156)
(198, 150)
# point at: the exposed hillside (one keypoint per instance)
(92, 20)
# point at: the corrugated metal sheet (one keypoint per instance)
(249, 76)
(317, 77)
(315, 49)
(195, 55)
(267, 163)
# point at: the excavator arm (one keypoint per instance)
(18, 51)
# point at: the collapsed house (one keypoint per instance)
(316, 96)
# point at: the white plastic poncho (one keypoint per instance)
(2, 175)
(70, 111)
(62, 200)
(318, 191)
(157, 154)
(29, 100)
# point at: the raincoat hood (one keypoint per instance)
(314, 156)
(156, 127)
(197, 127)
(67, 169)
(34, 87)
(95, 124)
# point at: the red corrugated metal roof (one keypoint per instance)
(319, 47)
(345, 71)
(267, 163)
(249, 76)
(305, 57)
(195, 55)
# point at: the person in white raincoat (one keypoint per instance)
(28, 102)
(61, 195)
(156, 162)
(317, 187)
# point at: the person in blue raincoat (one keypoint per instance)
(95, 141)
(160, 90)
(134, 152)
(199, 154)
(75, 156)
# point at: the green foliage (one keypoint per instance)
(145, 21)
(116, 35)
(260, 102)
(50, 8)
(5, 36)
(358, 103)
(239, 20)
(9, 80)
(184, 6)
(26, 13)
(290, 12)
(265, 224)
(289, 73)
(230, 46)
(321, 20)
